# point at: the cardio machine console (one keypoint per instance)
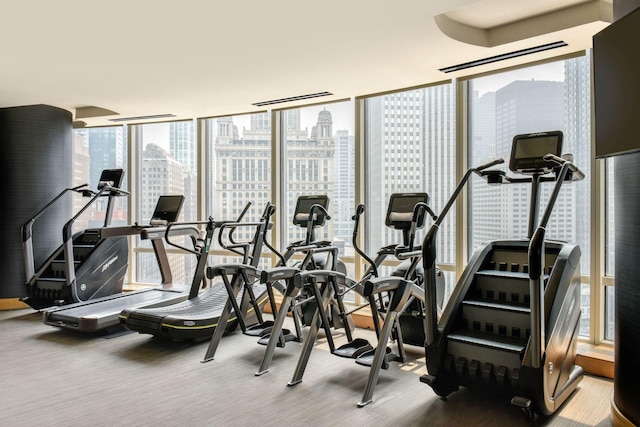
(303, 206)
(400, 210)
(528, 151)
(167, 209)
(111, 177)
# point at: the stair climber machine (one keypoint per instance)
(85, 266)
(511, 324)
(102, 314)
(196, 318)
(406, 212)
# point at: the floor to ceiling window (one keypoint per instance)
(97, 149)
(410, 147)
(237, 169)
(166, 154)
(318, 158)
(408, 141)
(549, 97)
(609, 252)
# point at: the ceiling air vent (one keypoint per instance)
(504, 56)
(293, 98)
(156, 116)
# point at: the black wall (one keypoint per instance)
(626, 384)
(36, 163)
(627, 246)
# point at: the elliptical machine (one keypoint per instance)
(388, 297)
(85, 266)
(511, 324)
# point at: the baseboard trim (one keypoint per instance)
(12, 304)
(596, 359)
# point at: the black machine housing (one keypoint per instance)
(511, 324)
(85, 266)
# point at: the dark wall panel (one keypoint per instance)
(35, 165)
(627, 317)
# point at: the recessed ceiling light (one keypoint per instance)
(504, 56)
(292, 98)
(128, 119)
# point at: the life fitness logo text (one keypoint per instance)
(108, 263)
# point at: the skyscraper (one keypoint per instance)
(411, 148)
(522, 106)
(182, 147)
(106, 150)
(344, 185)
(242, 168)
(161, 174)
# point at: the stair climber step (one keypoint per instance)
(501, 319)
(474, 371)
(51, 282)
(498, 306)
(488, 356)
(492, 341)
(88, 237)
(80, 252)
(502, 286)
(57, 269)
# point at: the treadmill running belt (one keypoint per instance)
(193, 319)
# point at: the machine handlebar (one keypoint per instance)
(578, 175)
(489, 164)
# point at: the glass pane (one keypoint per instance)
(238, 168)
(610, 218)
(553, 96)
(319, 158)
(585, 307)
(95, 150)
(167, 153)
(609, 313)
(410, 146)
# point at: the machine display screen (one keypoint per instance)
(303, 206)
(400, 210)
(112, 177)
(168, 208)
(528, 151)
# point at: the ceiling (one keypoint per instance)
(204, 58)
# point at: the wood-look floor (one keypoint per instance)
(52, 377)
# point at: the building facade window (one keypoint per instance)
(244, 143)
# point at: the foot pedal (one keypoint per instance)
(521, 402)
(260, 329)
(366, 359)
(526, 406)
(288, 336)
(353, 349)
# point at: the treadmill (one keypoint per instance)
(195, 318)
(101, 314)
